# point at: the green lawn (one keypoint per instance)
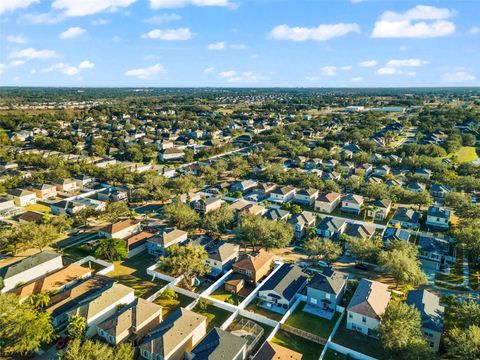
(215, 316)
(333, 355)
(132, 273)
(222, 295)
(466, 154)
(456, 272)
(254, 307)
(171, 305)
(38, 208)
(474, 278)
(311, 323)
(309, 349)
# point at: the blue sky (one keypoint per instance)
(240, 43)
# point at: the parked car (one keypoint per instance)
(322, 263)
(361, 266)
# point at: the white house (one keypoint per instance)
(306, 196)
(121, 229)
(282, 194)
(438, 217)
(22, 197)
(327, 202)
(352, 203)
(171, 154)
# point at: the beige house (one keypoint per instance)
(44, 191)
(22, 197)
(204, 206)
(121, 229)
(130, 323)
(327, 202)
(66, 185)
(175, 336)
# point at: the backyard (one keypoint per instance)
(215, 316)
(254, 307)
(170, 305)
(456, 272)
(309, 349)
(266, 331)
(222, 295)
(313, 324)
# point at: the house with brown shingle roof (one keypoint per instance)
(121, 229)
(367, 306)
(272, 351)
(327, 202)
(137, 243)
(254, 266)
(99, 308)
(55, 281)
(130, 323)
(175, 336)
(158, 244)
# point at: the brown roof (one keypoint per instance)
(119, 226)
(255, 262)
(138, 239)
(31, 216)
(370, 299)
(53, 281)
(271, 351)
(330, 197)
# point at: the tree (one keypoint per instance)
(464, 343)
(181, 215)
(45, 235)
(111, 249)
(401, 332)
(169, 294)
(189, 261)
(116, 210)
(203, 304)
(325, 249)
(218, 221)
(468, 236)
(365, 249)
(257, 231)
(90, 349)
(30, 235)
(23, 329)
(40, 300)
(401, 260)
(77, 327)
(423, 198)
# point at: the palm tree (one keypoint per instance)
(374, 210)
(77, 327)
(40, 300)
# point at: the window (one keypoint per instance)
(327, 296)
(350, 316)
(364, 319)
(248, 272)
(313, 301)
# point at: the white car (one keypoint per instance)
(322, 263)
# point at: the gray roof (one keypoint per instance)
(276, 214)
(330, 223)
(406, 215)
(219, 345)
(27, 263)
(287, 281)
(305, 218)
(429, 307)
(329, 281)
(438, 212)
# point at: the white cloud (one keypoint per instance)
(72, 32)
(240, 77)
(474, 30)
(216, 46)
(31, 53)
(44, 19)
(418, 22)
(346, 68)
(89, 7)
(329, 70)
(70, 70)
(368, 63)
(209, 70)
(160, 4)
(407, 63)
(458, 76)
(16, 63)
(357, 1)
(99, 22)
(227, 74)
(148, 72)
(356, 79)
(387, 71)
(321, 33)
(12, 5)
(163, 18)
(179, 34)
(17, 39)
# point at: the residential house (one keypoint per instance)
(171, 154)
(439, 190)
(436, 253)
(130, 323)
(327, 202)
(331, 176)
(221, 256)
(423, 173)
(394, 234)
(273, 351)
(326, 289)
(361, 231)
(205, 205)
(103, 306)
(29, 268)
(66, 207)
(416, 187)
(121, 229)
(306, 196)
(352, 203)
(438, 218)
(331, 228)
(83, 180)
(301, 222)
(265, 189)
(254, 266)
(382, 170)
(244, 185)
(158, 244)
(112, 194)
(66, 185)
(175, 336)
(365, 169)
(44, 191)
(406, 218)
(53, 281)
(282, 194)
(431, 313)
(219, 344)
(278, 292)
(379, 209)
(31, 217)
(367, 306)
(276, 214)
(330, 164)
(137, 243)
(22, 197)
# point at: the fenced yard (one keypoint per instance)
(170, 305)
(215, 316)
(312, 324)
(309, 349)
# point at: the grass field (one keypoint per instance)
(222, 295)
(311, 323)
(38, 208)
(171, 305)
(466, 154)
(215, 316)
(309, 349)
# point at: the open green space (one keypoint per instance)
(170, 306)
(313, 324)
(222, 295)
(466, 154)
(334, 355)
(309, 349)
(215, 316)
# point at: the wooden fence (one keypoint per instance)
(304, 334)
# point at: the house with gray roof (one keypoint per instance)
(361, 231)
(438, 218)
(436, 253)
(219, 345)
(407, 218)
(352, 203)
(301, 222)
(367, 306)
(306, 196)
(276, 214)
(30, 268)
(332, 228)
(278, 292)
(326, 290)
(432, 314)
